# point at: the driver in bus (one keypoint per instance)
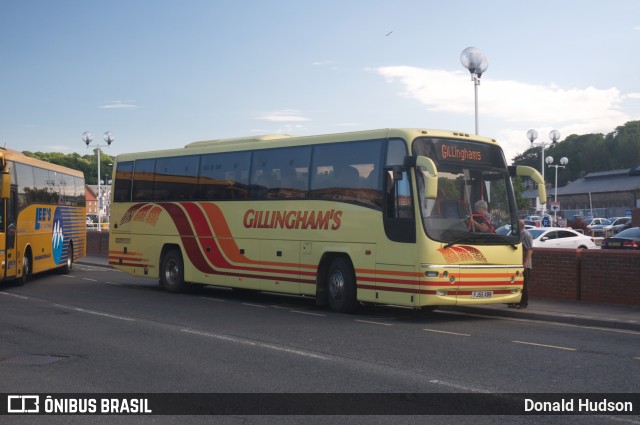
(481, 220)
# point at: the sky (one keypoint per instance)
(160, 74)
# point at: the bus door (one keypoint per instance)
(8, 244)
(11, 254)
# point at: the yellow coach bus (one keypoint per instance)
(42, 216)
(382, 216)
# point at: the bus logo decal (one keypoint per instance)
(142, 213)
(43, 217)
(462, 254)
(57, 238)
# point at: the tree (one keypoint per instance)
(88, 164)
(589, 153)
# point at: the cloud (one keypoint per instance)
(512, 107)
(119, 104)
(286, 115)
(322, 63)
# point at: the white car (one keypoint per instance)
(553, 237)
(598, 222)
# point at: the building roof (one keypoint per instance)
(624, 180)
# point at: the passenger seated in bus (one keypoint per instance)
(480, 220)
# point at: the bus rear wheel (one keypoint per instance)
(26, 269)
(341, 286)
(172, 272)
(66, 269)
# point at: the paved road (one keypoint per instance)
(100, 330)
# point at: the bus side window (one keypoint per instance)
(398, 194)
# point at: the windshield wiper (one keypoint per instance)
(504, 238)
(481, 236)
(470, 238)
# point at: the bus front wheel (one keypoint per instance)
(172, 272)
(341, 286)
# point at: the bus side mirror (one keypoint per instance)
(430, 177)
(5, 185)
(533, 174)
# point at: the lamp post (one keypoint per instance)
(477, 63)
(87, 138)
(532, 135)
(564, 161)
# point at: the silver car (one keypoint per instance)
(618, 224)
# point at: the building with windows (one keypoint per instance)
(94, 206)
(92, 199)
(599, 194)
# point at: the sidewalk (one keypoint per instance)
(626, 317)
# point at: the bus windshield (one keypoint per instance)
(475, 195)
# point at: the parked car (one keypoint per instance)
(626, 239)
(553, 237)
(600, 228)
(618, 224)
(506, 229)
(596, 221)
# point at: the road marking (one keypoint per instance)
(243, 341)
(308, 313)
(22, 297)
(95, 313)
(543, 322)
(445, 332)
(213, 299)
(68, 275)
(114, 283)
(374, 323)
(90, 280)
(254, 305)
(545, 345)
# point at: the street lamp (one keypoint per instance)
(564, 161)
(532, 135)
(87, 138)
(477, 63)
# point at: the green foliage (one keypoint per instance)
(518, 187)
(88, 164)
(589, 153)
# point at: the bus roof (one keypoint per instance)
(284, 140)
(16, 156)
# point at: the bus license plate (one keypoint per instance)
(482, 294)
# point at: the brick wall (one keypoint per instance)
(611, 277)
(607, 276)
(97, 243)
(555, 274)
